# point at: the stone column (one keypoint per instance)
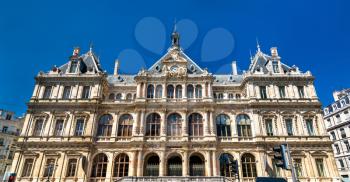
(163, 125)
(133, 166)
(109, 174)
(162, 164)
(114, 132)
(135, 126)
(164, 91)
(142, 123)
(184, 125)
(138, 88)
(215, 169)
(204, 88)
(212, 123)
(184, 91)
(139, 164)
(208, 164)
(206, 123)
(185, 164)
(210, 90)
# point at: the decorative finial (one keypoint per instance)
(175, 37)
(175, 25)
(91, 46)
(257, 44)
(250, 53)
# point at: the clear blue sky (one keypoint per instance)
(35, 35)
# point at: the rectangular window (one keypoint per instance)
(263, 93)
(4, 129)
(301, 91)
(337, 148)
(341, 163)
(39, 124)
(269, 127)
(282, 91)
(275, 67)
(79, 127)
(73, 66)
(10, 156)
(289, 125)
(8, 116)
(47, 92)
(310, 127)
(59, 127)
(27, 168)
(1, 142)
(86, 92)
(66, 92)
(333, 135)
(72, 166)
(338, 118)
(49, 168)
(342, 132)
(320, 167)
(347, 145)
(298, 167)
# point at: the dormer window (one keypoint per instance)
(73, 66)
(275, 67)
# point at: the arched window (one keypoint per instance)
(223, 126)
(153, 125)
(111, 96)
(170, 91)
(248, 165)
(150, 91)
(105, 125)
(174, 166)
(118, 96)
(225, 165)
(125, 125)
(121, 166)
(197, 165)
(178, 92)
(129, 97)
(189, 91)
(152, 165)
(198, 91)
(159, 91)
(99, 166)
(243, 125)
(195, 124)
(174, 124)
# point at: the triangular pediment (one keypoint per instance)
(174, 58)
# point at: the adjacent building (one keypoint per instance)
(173, 120)
(337, 119)
(10, 127)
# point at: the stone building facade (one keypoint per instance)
(172, 119)
(10, 127)
(337, 119)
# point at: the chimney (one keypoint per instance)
(116, 67)
(76, 51)
(274, 52)
(234, 68)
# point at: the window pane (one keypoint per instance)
(72, 165)
(86, 92)
(79, 128)
(66, 92)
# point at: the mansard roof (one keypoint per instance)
(89, 62)
(260, 60)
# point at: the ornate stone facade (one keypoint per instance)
(337, 119)
(173, 119)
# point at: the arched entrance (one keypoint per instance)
(174, 167)
(151, 165)
(197, 167)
